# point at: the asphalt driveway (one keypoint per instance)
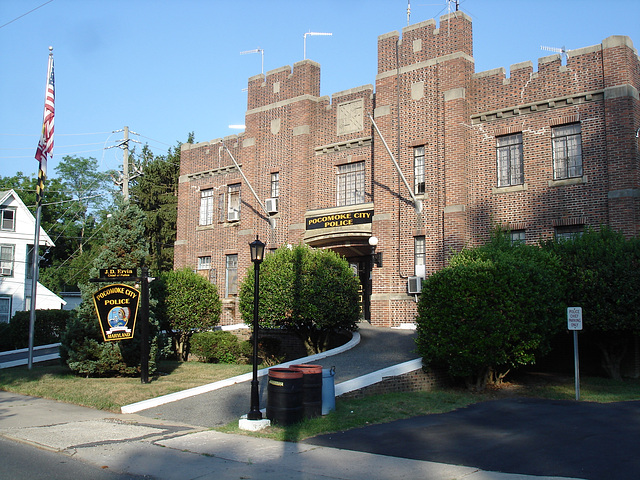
(519, 435)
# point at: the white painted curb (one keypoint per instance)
(191, 392)
(378, 376)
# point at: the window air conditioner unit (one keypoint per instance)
(233, 216)
(272, 205)
(414, 285)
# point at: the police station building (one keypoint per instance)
(396, 177)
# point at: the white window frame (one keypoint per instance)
(231, 275)
(510, 160)
(7, 260)
(350, 184)
(206, 206)
(420, 256)
(275, 184)
(567, 151)
(517, 236)
(418, 170)
(5, 313)
(233, 202)
(568, 232)
(5, 218)
(204, 262)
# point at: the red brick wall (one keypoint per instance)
(426, 93)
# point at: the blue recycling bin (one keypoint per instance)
(328, 390)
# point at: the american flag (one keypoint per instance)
(45, 145)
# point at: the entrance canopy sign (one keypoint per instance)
(117, 309)
(340, 219)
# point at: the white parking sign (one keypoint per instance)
(574, 318)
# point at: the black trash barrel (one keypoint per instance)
(284, 396)
(312, 389)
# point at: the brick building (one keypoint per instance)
(426, 162)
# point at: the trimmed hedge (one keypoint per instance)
(48, 328)
(224, 347)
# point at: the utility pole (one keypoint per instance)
(126, 176)
(125, 165)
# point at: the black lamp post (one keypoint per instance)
(257, 255)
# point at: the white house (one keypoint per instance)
(17, 229)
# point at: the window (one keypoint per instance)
(350, 180)
(568, 232)
(5, 309)
(204, 263)
(8, 219)
(275, 185)
(567, 151)
(232, 275)
(6, 260)
(222, 210)
(233, 207)
(419, 249)
(418, 170)
(29, 262)
(510, 162)
(516, 236)
(206, 207)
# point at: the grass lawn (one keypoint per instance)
(56, 382)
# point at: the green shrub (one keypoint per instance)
(309, 292)
(602, 270)
(269, 351)
(216, 347)
(84, 351)
(494, 308)
(47, 328)
(187, 303)
(5, 337)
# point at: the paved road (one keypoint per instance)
(527, 436)
(378, 348)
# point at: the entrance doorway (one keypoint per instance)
(361, 267)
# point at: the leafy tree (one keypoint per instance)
(91, 191)
(494, 308)
(83, 348)
(156, 193)
(53, 215)
(309, 292)
(188, 304)
(74, 208)
(602, 268)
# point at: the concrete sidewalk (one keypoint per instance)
(163, 450)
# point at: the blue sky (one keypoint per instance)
(167, 68)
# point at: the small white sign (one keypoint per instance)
(574, 318)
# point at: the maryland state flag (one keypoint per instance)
(45, 145)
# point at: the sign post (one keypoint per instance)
(574, 323)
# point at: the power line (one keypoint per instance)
(25, 14)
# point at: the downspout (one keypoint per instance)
(272, 221)
(416, 202)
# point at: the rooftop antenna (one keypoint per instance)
(311, 34)
(408, 12)
(256, 50)
(562, 51)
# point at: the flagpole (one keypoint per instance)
(34, 282)
(45, 148)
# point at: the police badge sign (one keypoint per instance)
(117, 309)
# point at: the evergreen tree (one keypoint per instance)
(156, 193)
(83, 348)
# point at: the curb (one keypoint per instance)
(191, 392)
